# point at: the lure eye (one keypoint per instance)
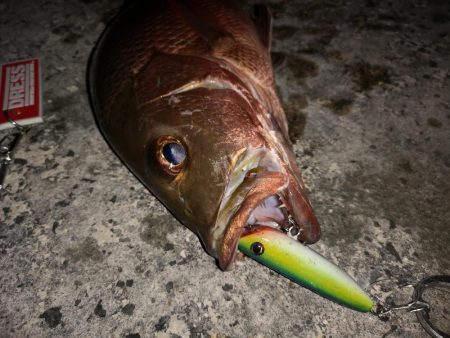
(171, 154)
(174, 153)
(257, 248)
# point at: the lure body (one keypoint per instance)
(304, 266)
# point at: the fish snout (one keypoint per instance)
(262, 191)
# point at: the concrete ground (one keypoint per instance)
(87, 251)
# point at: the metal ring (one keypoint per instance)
(424, 316)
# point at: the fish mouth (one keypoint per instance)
(263, 192)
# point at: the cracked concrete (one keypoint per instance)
(86, 251)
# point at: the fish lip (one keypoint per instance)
(268, 184)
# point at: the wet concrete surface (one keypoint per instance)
(87, 251)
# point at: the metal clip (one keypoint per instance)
(415, 305)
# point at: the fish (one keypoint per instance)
(184, 94)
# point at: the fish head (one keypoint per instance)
(191, 152)
(201, 141)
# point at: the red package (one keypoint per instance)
(20, 93)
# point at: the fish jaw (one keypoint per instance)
(269, 185)
(304, 266)
(261, 190)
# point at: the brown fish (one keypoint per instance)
(183, 91)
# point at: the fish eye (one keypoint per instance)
(257, 248)
(171, 154)
(174, 153)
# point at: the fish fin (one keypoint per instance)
(263, 21)
(212, 35)
(279, 60)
